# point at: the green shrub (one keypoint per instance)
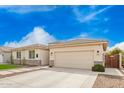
(99, 68)
(50, 66)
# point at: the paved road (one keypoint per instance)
(51, 78)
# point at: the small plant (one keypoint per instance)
(98, 68)
(50, 66)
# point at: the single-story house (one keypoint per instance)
(36, 54)
(5, 55)
(79, 53)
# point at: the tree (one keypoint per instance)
(115, 51)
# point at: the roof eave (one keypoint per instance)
(82, 44)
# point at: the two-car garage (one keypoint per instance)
(74, 59)
(80, 53)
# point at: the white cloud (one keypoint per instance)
(118, 45)
(80, 36)
(38, 35)
(81, 17)
(83, 35)
(22, 9)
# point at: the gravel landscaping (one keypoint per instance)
(109, 81)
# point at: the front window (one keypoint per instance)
(18, 54)
(32, 54)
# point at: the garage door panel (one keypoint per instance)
(78, 59)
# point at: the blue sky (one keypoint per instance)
(24, 25)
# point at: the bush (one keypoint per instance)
(98, 68)
(50, 66)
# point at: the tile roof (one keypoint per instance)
(78, 41)
(39, 46)
(5, 49)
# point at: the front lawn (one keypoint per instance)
(8, 66)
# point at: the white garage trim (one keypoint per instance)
(74, 59)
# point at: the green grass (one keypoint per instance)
(8, 66)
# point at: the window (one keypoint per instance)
(32, 54)
(18, 54)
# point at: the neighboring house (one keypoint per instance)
(79, 53)
(5, 55)
(35, 54)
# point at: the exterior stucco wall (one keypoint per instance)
(14, 54)
(45, 57)
(42, 56)
(98, 57)
(5, 57)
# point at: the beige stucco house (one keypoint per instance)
(79, 53)
(5, 54)
(36, 54)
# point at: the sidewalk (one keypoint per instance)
(11, 72)
(112, 71)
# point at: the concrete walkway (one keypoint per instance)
(51, 78)
(20, 70)
(112, 71)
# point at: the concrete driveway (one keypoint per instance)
(51, 78)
